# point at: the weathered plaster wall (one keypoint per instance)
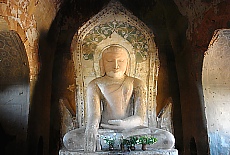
(14, 93)
(203, 18)
(29, 18)
(32, 20)
(216, 87)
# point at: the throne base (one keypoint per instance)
(147, 152)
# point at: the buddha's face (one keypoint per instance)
(115, 61)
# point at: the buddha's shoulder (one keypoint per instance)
(97, 81)
(135, 80)
(137, 84)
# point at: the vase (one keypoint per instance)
(122, 147)
(111, 148)
(132, 147)
(144, 147)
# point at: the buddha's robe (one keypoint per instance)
(123, 99)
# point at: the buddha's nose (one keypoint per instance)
(116, 65)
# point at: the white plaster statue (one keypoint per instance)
(117, 102)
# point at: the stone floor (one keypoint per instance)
(147, 152)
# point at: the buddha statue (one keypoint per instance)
(115, 102)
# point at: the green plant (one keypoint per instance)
(133, 140)
(146, 140)
(126, 142)
(109, 140)
(130, 141)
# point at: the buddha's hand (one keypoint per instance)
(127, 123)
(116, 124)
(90, 140)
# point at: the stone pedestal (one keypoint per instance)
(147, 152)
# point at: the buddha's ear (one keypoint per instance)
(102, 69)
(127, 71)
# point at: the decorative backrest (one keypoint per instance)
(115, 25)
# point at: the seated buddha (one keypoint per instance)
(115, 102)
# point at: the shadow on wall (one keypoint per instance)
(40, 146)
(5, 140)
(193, 150)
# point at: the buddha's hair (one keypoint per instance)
(105, 50)
(113, 46)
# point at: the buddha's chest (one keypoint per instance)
(117, 97)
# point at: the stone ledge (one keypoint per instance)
(148, 152)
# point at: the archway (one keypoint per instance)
(14, 93)
(216, 82)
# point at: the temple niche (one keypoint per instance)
(114, 25)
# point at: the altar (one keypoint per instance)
(147, 152)
(116, 68)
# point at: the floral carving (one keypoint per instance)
(124, 29)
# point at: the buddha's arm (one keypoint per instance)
(93, 117)
(93, 106)
(140, 99)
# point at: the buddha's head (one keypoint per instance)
(114, 61)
